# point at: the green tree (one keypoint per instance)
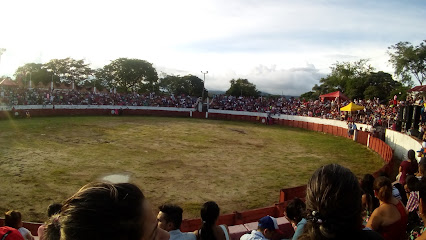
(69, 71)
(29, 71)
(189, 85)
(380, 85)
(130, 75)
(196, 86)
(347, 77)
(242, 87)
(408, 61)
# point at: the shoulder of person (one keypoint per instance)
(367, 234)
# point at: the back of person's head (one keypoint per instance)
(383, 188)
(173, 214)
(412, 182)
(422, 166)
(12, 219)
(367, 182)
(209, 214)
(100, 211)
(54, 208)
(333, 204)
(295, 210)
(411, 154)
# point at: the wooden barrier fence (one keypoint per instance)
(235, 218)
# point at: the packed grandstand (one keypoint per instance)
(376, 111)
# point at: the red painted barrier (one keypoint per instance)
(235, 218)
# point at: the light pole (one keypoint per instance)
(204, 82)
(2, 50)
(51, 83)
(30, 80)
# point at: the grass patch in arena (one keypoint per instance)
(174, 160)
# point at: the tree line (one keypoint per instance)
(359, 80)
(124, 75)
(356, 79)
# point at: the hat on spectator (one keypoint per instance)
(8, 233)
(269, 223)
(422, 150)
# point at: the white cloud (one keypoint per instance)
(230, 39)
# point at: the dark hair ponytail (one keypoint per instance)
(333, 203)
(209, 214)
(53, 228)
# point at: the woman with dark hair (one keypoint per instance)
(333, 204)
(390, 218)
(408, 167)
(209, 230)
(106, 211)
(295, 213)
(369, 202)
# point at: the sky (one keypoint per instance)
(283, 47)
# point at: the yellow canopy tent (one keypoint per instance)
(351, 107)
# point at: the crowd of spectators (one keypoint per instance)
(336, 203)
(376, 112)
(11, 97)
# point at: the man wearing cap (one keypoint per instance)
(170, 218)
(266, 229)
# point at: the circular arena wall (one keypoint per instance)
(396, 143)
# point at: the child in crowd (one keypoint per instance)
(13, 219)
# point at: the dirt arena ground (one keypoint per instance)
(174, 160)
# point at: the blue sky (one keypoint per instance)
(281, 46)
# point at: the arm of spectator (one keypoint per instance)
(376, 220)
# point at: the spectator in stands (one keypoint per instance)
(267, 228)
(390, 218)
(106, 211)
(369, 201)
(411, 187)
(53, 208)
(14, 219)
(170, 218)
(209, 230)
(418, 231)
(9, 233)
(408, 167)
(295, 213)
(422, 168)
(333, 203)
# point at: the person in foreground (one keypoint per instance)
(13, 219)
(295, 213)
(390, 218)
(418, 232)
(170, 218)
(10, 233)
(106, 211)
(267, 229)
(53, 208)
(333, 204)
(209, 230)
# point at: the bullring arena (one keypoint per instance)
(251, 170)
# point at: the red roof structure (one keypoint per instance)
(334, 95)
(8, 83)
(421, 88)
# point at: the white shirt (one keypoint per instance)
(25, 233)
(178, 235)
(254, 235)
